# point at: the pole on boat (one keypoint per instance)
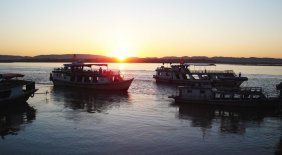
(279, 88)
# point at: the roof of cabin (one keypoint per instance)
(8, 76)
(82, 65)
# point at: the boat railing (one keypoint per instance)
(251, 89)
(212, 71)
(59, 69)
(163, 68)
(92, 72)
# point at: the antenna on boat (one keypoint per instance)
(74, 57)
(181, 61)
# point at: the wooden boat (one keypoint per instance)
(242, 97)
(184, 75)
(79, 74)
(14, 90)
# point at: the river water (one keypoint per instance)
(142, 121)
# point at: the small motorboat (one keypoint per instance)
(15, 90)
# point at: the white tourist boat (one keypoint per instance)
(183, 74)
(14, 90)
(79, 74)
(242, 97)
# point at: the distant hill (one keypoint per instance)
(68, 56)
(251, 60)
(167, 59)
(12, 57)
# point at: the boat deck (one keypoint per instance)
(8, 84)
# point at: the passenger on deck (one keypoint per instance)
(100, 70)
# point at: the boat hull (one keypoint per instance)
(265, 103)
(22, 98)
(115, 86)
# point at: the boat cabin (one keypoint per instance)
(195, 93)
(209, 93)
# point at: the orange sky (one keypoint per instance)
(142, 28)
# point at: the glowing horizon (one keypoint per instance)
(145, 28)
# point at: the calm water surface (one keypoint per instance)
(141, 121)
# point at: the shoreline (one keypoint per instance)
(244, 64)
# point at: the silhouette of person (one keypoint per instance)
(100, 70)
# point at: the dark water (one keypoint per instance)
(141, 121)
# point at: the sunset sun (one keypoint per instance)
(121, 55)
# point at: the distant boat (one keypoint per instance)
(14, 90)
(79, 74)
(242, 97)
(182, 74)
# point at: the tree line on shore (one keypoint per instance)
(168, 59)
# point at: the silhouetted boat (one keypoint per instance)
(242, 97)
(79, 74)
(14, 90)
(182, 74)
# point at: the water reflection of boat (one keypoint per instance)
(230, 119)
(183, 74)
(14, 90)
(78, 74)
(12, 117)
(91, 101)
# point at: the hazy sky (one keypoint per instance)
(144, 28)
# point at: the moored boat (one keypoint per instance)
(15, 90)
(242, 97)
(79, 74)
(184, 75)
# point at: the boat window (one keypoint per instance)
(205, 77)
(189, 91)
(5, 94)
(184, 76)
(227, 96)
(256, 96)
(86, 79)
(217, 96)
(187, 76)
(195, 76)
(237, 96)
(177, 76)
(95, 79)
(79, 79)
(72, 78)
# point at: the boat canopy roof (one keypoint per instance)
(199, 64)
(8, 76)
(82, 65)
